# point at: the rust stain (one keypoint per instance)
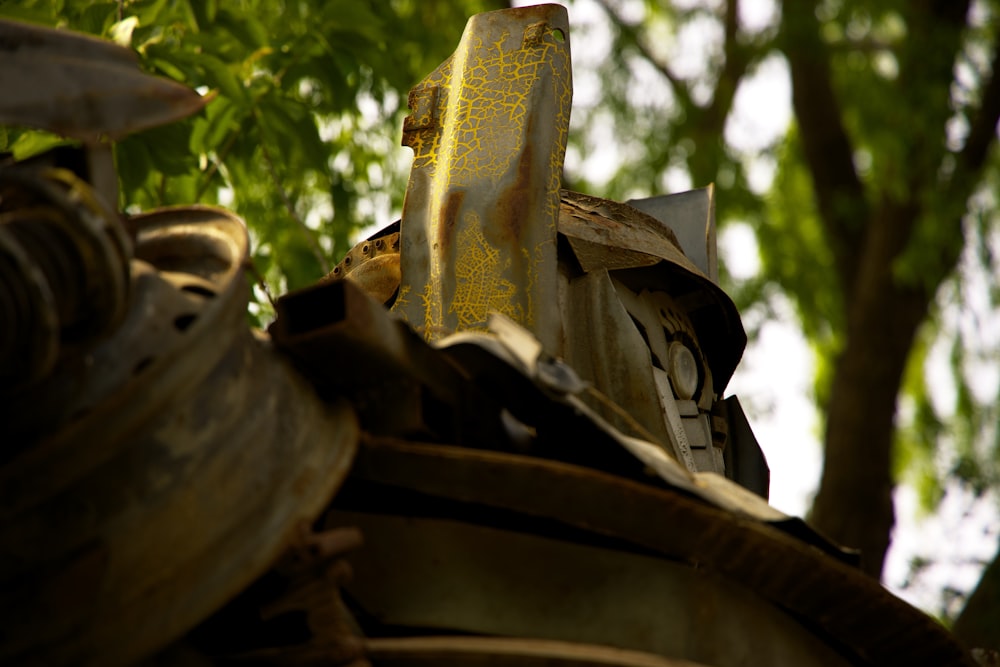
(447, 219)
(520, 13)
(514, 205)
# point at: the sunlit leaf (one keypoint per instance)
(33, 143)
(121, 31)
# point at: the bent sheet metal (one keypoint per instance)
(488, 130)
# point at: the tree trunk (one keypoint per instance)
(977, 626)
(854, 503)
(868, 232)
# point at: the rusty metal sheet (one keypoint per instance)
(507, 652)
(691, 216)
(517, 370)
(349, 345)
(617, 227)
(82, 87)
(488, 130)
(610, 353)
(447, 576)
(745, 462)
(782, 561)
(644, 253)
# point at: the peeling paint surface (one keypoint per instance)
(488, 130)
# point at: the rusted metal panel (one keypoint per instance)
(611, 354)
(771, 559)
(373, 265)
(348, 345)
(518, 372)
(488, 130)
(745, 461)
(644, 253)
(466, 578)
(617, 227)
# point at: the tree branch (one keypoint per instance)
(840, 195)
(738, 59)
(220, 158)
(939, 28)
(976, 625)
(629, 32)
(926, 65)
(983, 124)
(705, 124)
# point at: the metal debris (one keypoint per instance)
(373, 265)
(181, 459)
(178, 464)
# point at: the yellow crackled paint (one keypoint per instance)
(488, 130)
(478, 274)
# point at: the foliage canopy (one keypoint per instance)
(309, 98)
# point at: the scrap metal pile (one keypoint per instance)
(495, 434)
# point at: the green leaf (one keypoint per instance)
(167, 68)
(134, 166)
(293, 130)
(210, 130)
(244, 27)
(97, 17)
(148, 11)
(220, 76)
(205, 12)
(34, 142)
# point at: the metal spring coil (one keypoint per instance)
(64, 272)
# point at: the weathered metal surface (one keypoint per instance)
(348, 345)
(644, 253)
(545, 393)
(373, 265)
(507, 652)
(183, 456)
(64, 272)
(835, 600)
(653, 310)
(187, 279)
(639, 369)
(466, 578)
(745, 463)
(488, 130)
(622, 369)
(189, 456)
(81, 86)
(691, 216)
(294, 615)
